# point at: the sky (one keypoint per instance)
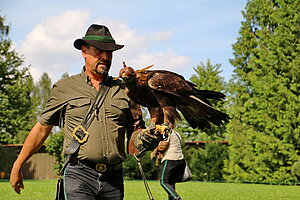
(173, 35)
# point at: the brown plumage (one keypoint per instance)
(163, 92)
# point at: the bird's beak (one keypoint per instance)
(124, 76)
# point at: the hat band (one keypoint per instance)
(100, 38)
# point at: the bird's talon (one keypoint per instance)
(161, 128)
(145, 130)
(164, 130)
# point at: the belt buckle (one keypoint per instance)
(86, 134)
(101, 167)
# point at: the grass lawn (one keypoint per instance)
(135, 190)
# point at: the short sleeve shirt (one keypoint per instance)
(70, 99)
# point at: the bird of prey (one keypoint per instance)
(163, 93)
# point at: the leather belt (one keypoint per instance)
(99, 167)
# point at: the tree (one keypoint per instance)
(54, 146)
(42, 92)
(15, 85)
(207, 164)
(24, 108)
(265, 100)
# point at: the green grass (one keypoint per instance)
(135, 190)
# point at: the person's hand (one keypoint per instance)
(143, 140)
(149, 139)
(157, 155)
(16, 180)
(163, 146)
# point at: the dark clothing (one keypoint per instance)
(171, 172)
(71, 98)
(83, 182)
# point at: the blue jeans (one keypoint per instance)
(82, 182)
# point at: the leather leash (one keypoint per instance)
(144, 178)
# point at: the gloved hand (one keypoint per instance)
(148, 139)
(144, 140)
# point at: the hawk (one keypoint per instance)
(163, 93)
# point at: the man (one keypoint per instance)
(173, 163)
(95, 170)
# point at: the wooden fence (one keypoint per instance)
(39, 166)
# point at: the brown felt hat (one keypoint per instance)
(99, 37)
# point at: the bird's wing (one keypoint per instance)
(168, 82)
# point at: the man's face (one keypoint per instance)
(97, 61)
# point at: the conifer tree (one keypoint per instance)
(43, 91)
(15, 91)
(265, 128)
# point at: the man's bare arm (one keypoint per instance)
(33, 142)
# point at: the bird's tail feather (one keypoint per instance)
(200, 114)
(208, 94)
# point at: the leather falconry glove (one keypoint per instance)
(145, 140)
